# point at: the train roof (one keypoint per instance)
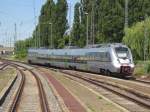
(106, 45)
(78, 51)
(87, 47)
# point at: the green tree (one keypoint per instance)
(109, 17)
(22, 46)
(44, 26)
(138, 39)
(60, 22)
(77, 27)
(88, 6)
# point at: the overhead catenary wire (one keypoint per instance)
(126, 13)
(15, 34)
(34, 9)
(70, 22)
(145, 38)
(92, 24)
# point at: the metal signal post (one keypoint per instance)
(87, 29)
(51, 35)
(126, 13)
(145, 38)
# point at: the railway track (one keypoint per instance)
(17, 98)
(142, 100)
(2, 66)
(139, 99)
(45, 105)
(43, 99)
(143, 81)
(72, 104)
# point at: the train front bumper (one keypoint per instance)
(125, 69)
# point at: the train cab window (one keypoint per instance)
(122, 52)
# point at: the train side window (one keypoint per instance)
(104, 56)
(108, 56)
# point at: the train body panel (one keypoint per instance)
(110, 58)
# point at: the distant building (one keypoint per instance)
(6, 50)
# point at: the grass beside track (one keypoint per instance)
(5, 76)
(142, 69)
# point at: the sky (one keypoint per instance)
(22, 13)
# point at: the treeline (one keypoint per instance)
(105, 20)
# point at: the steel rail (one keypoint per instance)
(2, 66)
(16, 100)
(100, 84)
(142, 81)
(42, 95)
(106, 86)
(44, 102)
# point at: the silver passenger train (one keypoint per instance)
(105, 59)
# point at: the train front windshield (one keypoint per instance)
(122, 52)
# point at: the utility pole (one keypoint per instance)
(92, 24)
(70, 23)
(145, 38)
(126, 14)
(15, 34)
(91, 31)
(39, 32)
(0, 25)
(51, 35)
(87, 29)
(35, 23)
(5, 43)
(9, 41)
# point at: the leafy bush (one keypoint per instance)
(142, 68)
(147, 68)
(20, 54)
(139, 70)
